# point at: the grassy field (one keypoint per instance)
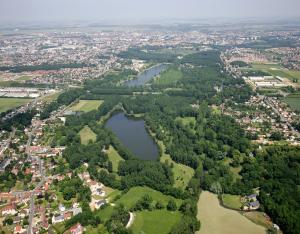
(169, 76)
(10, 103)
(153, 222)
(24, 78)
(114, 157)
(86, 134)
(130, 198)
(217, 219)
(86, 105)
(51, 97)
(232, 201)
(259, 218)
(277, 70)
(293, 101)
(182, 173)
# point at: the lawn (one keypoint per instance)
(169, 76)
(114, 157)
(293, 101)
(87, 135)
(10, 103)
(105, 213)
(232, 201)
(86, 105)
(153, 222)
(130, 198)
(217, 219)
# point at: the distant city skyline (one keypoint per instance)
(12, 11)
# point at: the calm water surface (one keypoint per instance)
(133, 134)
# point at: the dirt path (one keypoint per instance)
(216, 219)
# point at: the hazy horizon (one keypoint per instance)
(19, 11)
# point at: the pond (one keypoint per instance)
(133, 134)
(147, 75)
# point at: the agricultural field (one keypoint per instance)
(232, 201)
(10, 103)
(86, 105)
(168, 77)
(217, 219)
(293, 101)
(114, 157)
(136, 193)
(87, 135)
(158, 221)
(277, 70)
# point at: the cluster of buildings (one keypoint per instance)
(264, 116)
(266, 82)
(97, 190)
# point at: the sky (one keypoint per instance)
(143, 10)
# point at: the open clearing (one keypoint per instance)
(216, 219)
(136, 193)
(169, 76)
(10, 103)
(153, 222)
(86, 105)
(114, 157)
(232, 201)
(87, 135)
(182, 173)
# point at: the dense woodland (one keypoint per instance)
(204, 144)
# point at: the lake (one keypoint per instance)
(133, 134)
(147, 75)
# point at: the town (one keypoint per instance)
(42, 191)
